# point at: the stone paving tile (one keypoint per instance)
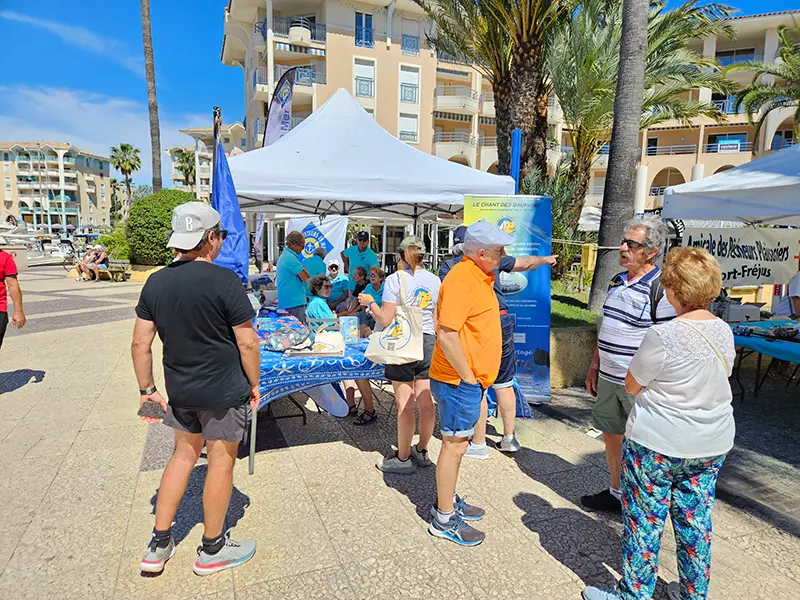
(775, 548)
(59, 579)
(327, 584)
(739, 576)
(13, 535)
(24, 484)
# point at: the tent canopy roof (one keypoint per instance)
(766, 190)
(340, 161)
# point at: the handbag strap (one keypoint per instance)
(401, 276)
(710, 342)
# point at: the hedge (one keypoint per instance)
(149, 220)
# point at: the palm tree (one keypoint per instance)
(619, 191)
(152, 102)
(505, 41)
(116, 205)
(775, 85)
(186, 166)
(584, 60)
(125, 159)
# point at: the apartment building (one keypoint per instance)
(54, 185)
(234, 141)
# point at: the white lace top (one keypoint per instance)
(684, 409)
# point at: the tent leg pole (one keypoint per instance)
(383, 247)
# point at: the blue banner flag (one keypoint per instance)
(235, 253)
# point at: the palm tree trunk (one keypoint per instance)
(579, 172)
(152, 102)
(502, 111)
(128, 194)
(620, 191)
(528, 111)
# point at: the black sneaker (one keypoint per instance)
(602, 501)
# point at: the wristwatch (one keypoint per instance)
(151, 390)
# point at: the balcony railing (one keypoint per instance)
(595, 190)
(669, 150)
(204, 188)
(487, 96)
(365, 87)
(783, 143)
(488, 141)
(260, 77)
(410, 45)
(303, 76)
(204, 170)
(552, 102)
(658, 190)
(408, 136)
(605, 149)
(365, 37)
(409, 93)
(567, 150)
(728, 105)
(458, 91)
(725, 147)
(282, 25)
(724, 61)
(453, 138)
(296, 121)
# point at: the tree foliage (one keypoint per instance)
(149, 221)
(125, 159)
(186, 165)
(116, 242)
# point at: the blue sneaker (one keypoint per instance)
(593, 593)
(467, 511)
(456, 530)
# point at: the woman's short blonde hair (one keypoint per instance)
(380, 272)
(693, 275)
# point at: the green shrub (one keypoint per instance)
(150, 218)
(116, 243)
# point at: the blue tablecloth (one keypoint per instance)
(282, 375)
(789, 351)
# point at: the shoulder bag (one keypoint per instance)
(400, 342)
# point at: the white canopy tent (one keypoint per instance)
(766, 190)
(340, 161)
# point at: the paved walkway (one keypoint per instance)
(81, 471)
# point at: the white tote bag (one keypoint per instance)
(401, 342)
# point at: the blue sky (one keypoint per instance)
(74, 71)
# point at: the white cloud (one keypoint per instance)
(92, 122)
(81, 37)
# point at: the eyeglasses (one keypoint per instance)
(333, 268)
(632, 244)
(327, 286)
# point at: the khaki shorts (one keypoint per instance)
(612, 407)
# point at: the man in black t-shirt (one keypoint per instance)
(211, 369)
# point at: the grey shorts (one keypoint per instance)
(299, 312)
(415, 370)
(612, 407)
(226, 424)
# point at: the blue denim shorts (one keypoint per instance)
(508, 360)
(459, 407)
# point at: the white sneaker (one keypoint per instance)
(478, 452)
(511, 445)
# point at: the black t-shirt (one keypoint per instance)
(195, 306)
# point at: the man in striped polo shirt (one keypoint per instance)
(635, 302)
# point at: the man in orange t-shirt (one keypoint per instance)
(465, 363)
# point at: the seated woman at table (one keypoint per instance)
(353, 307)
(374, 289)
(679, 431)
(319, 288)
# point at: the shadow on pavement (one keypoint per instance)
(14, 380)
(190, 510)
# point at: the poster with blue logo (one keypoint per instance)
(327, 233)
(529, 219)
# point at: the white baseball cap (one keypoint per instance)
(487, 235)
(189, 222)
(334, 261)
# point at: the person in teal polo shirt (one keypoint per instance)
(341, 286)
(360, 255)
(292, 277)
(315, 265)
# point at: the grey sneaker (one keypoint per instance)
(477, 452)
(420, 457)
(155, 558)
(511, 445)
(464, 510)
(674, 591)
(456, 530)
(392, 464)
(232, 554)
(593, 593)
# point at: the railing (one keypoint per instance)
(365, 87)
(657, 190)
(454, 138)
(669, 150)
(459, 91)
(409, 92)
(303, 76)
(724, 61)
(783, 143)
(260, 77)
(259, 125)
(282, 25)
(487, 96)
(728, 105)
(605, 149)
(408, 136)
(567, 150)
(552, 102)
(204, 170)
(727, 147)
(204, 188)
(409, 45)
(296, 121)
(449, 57)
(365, 37)
(488, 141)
(596, 190)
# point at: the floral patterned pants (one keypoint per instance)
(653, 486)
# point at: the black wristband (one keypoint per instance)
(148, 391)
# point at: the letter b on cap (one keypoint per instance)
(189, 224)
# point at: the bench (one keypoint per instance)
(118, 270)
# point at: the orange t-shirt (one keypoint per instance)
(468, 304)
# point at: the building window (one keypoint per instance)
(727, 142)
(8, 184)
(103, 191)
(7, 166)
(408, 128)
(782, 139)
(652, 146)
(729, 57)
(226, 140)
(409, 41)
(364, 84)
(365, 34)
(244, 143)
(409, 85)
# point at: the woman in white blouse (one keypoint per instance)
(678, 433)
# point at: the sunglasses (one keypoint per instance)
(327, 286)
(333, 268)
(632, 244)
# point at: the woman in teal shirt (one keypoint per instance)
(374, 289)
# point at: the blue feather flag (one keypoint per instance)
(235, 253)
